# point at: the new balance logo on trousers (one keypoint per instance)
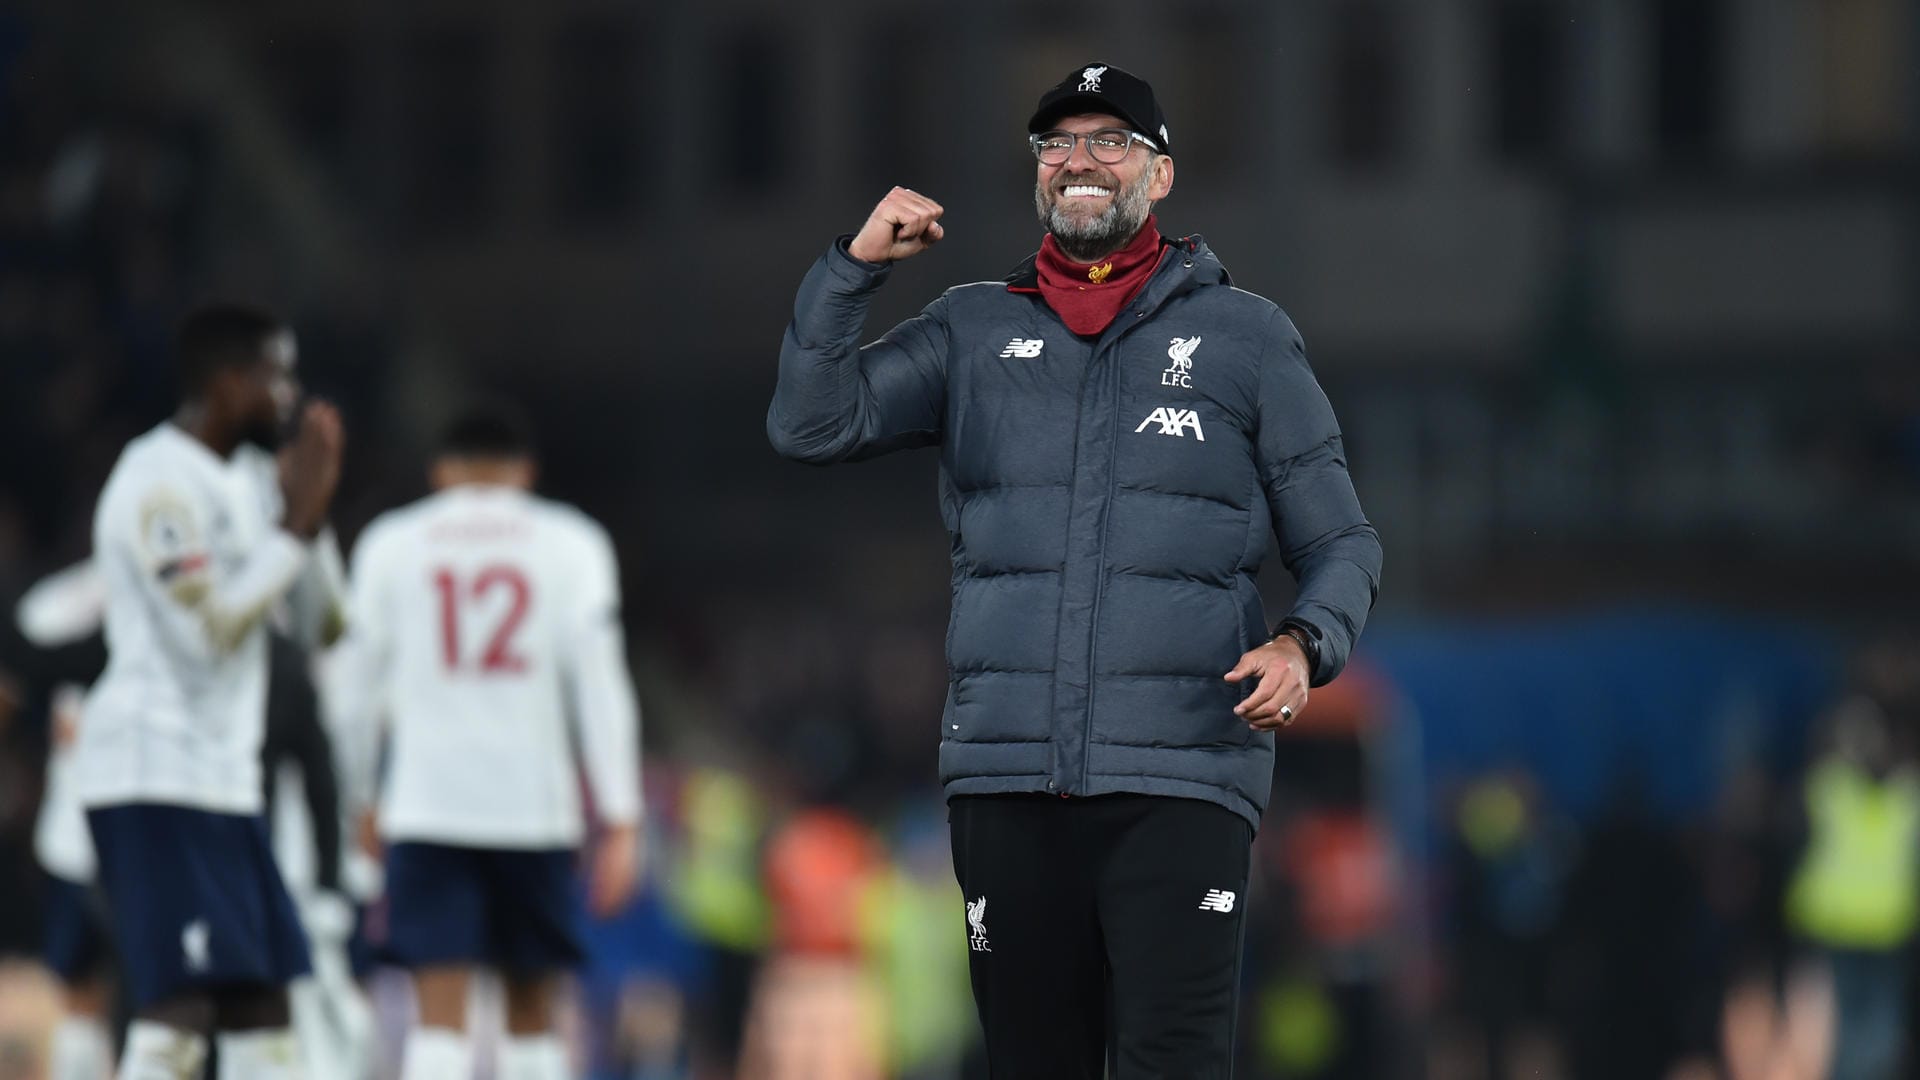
(1218, 900)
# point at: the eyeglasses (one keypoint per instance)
(1109, 146)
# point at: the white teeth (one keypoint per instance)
(1077, 190)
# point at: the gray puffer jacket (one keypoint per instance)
(1110, 500)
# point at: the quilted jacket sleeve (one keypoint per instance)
(836, 401)
(1325, 539)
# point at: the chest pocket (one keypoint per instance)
(1013, 414)
(1183, 417)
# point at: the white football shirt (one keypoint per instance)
(60, 609)
(482, 619)
(192, 563)
(61, 842)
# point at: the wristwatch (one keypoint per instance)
(1308, 639)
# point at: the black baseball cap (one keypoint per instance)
(1101, 87)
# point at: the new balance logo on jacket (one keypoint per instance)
(1027, 348)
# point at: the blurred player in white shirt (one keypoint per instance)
(484, 629)
(168, 763)
(60, 616)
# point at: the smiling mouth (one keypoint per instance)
(1085, 191)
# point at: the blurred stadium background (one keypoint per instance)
(1618, 301)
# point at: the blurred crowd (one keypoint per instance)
(800, 917)
(1771, 936)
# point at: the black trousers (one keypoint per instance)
(1103, 930)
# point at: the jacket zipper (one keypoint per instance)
(1100, 580)
(1106, 516)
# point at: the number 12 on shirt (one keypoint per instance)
(499, 657)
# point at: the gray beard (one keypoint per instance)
(1089, 241)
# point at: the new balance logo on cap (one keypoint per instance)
(1219, 900)
(1173, 422)
(1025, 347)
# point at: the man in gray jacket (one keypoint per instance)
(1122, 436)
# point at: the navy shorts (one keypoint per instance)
(76, 931)
(514, 910)
(195, 901)
(364, 954)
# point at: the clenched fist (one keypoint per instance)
(905, 224)
(310, 469)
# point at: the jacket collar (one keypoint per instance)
(1189, 264)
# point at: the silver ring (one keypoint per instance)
(1286, 714)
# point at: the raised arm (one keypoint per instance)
(153, 537)
(318, 600)
(836, 401)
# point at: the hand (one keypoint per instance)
(66, 714)
(1281, 667)
(615, 873)
(367, 833)
(327, 917)
(310, 469)
(905, 224)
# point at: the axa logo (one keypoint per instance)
(1175, 422)
(977, 919)
(1090, 79)
(1181, 353)
(1027, 348)
(1219, 900)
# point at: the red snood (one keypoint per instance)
(1089, 297)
